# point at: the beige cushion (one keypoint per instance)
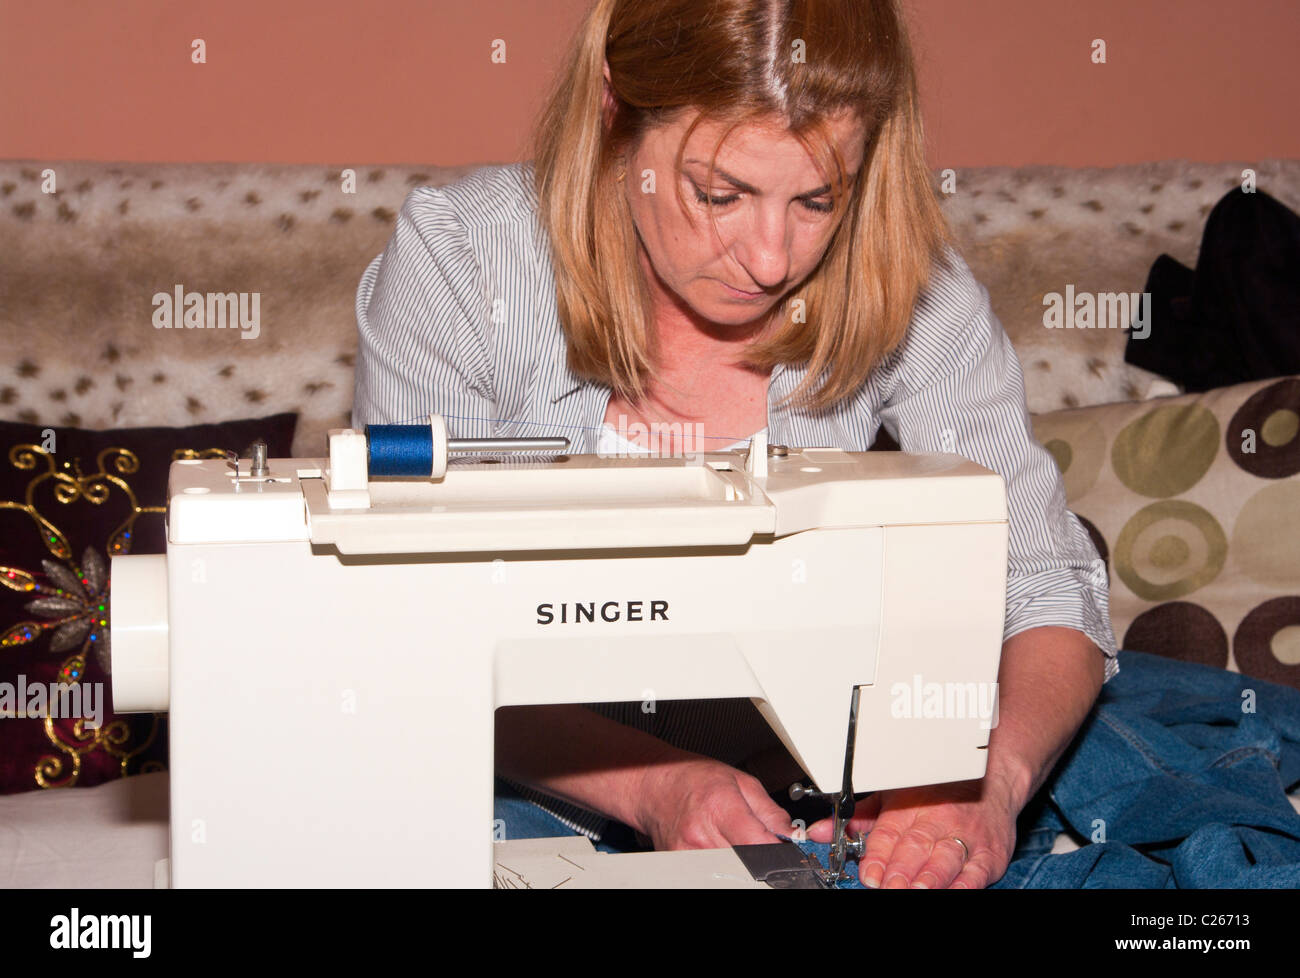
(1194, 501)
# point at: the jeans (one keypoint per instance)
(519, 818)
(1178, 777)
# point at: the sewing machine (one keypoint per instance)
(332, 636)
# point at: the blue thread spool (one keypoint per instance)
(421, 450)
(399, 449)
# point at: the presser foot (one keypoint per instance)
(843, 851)
(782, 866)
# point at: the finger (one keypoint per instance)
(879, 849)
(774, 818)
(864, 818)
(978, 873)
(912, 850)
(945, 863)
(748, 830)
(780, 823)
(731, 822)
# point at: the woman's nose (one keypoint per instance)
(763, 250)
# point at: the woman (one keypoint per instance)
(730, 224)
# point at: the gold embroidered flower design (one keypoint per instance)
(75, 605)
(70, 602)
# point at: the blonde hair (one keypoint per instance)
(732, 60)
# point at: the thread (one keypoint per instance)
(399, 449)
(551, 429)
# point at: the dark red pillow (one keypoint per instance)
(69, 500)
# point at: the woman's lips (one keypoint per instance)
(740, 293)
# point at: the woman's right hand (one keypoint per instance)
(699, 803)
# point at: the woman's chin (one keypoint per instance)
(736, 314)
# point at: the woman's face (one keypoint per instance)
(771, 209)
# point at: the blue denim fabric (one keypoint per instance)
(1180, 784)
(822, 850)
(520, 818)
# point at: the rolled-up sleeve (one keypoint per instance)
(959, 387)
(424, 324)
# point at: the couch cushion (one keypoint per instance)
(80, 266)
(80, 269)
(1032, 230)
(1193, 502)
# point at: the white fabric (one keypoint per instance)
(106, 837)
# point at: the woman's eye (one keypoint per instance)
(819, 206)
(816, 206)
(704, 198)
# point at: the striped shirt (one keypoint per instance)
(458, 317)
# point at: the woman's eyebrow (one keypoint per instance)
(741, 185)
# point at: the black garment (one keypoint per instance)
(1237, 317)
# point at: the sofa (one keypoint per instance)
(1195, 538)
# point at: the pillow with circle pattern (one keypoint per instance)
(70, 500)
(1194, 503)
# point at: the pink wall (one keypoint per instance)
(1011, 81)
(410, 81)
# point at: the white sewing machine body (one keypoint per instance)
(332, 669)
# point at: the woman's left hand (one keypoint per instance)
(912, 833)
